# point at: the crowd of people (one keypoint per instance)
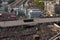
(16, 33)
(47, 33)
(25, 33)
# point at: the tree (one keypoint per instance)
(39, 4)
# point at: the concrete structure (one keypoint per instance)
(49, 7)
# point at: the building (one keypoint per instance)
(57, 1)
(49, 7)
(57, 7)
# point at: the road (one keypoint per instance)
(34, 22)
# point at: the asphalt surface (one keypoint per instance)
(33, 22)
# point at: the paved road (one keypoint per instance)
(21, 22)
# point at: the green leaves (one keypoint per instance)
(36, 2)
(39, 4)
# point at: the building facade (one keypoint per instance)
(50, 5)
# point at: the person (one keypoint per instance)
(12, 10)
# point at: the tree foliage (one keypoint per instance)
(39, 4)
